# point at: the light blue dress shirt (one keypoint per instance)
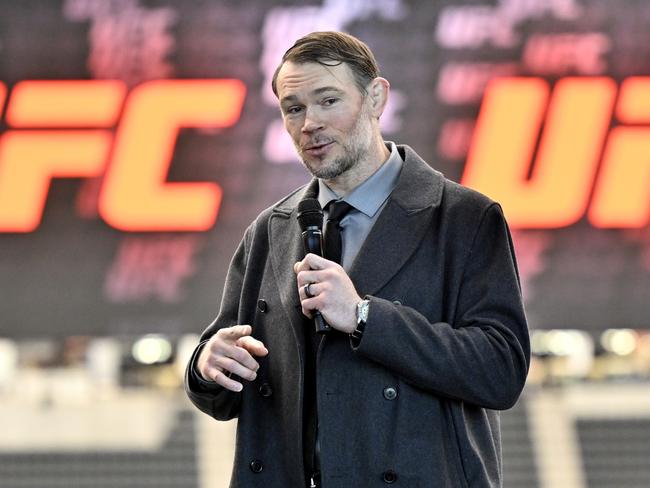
(368, 199)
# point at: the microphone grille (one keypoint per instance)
(310, 213)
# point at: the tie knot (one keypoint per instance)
(338, 210)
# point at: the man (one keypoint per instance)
(428, 337)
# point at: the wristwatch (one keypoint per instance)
(363, 307)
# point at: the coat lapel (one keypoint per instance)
(285, 244)
(395, 236)
(401, 226)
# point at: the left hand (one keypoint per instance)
(334, 294)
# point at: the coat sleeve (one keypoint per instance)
(482, 357)
(207, 396)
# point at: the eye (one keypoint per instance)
(294, 109)
(330, 101)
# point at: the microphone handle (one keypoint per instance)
(312, 240)
(320, 325)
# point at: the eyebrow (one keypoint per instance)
(317, 91)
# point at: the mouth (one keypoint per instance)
(318, 149)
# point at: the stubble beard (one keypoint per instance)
(355, 148)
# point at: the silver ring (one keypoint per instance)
(307, 290)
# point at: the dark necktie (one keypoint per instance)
(333, 246)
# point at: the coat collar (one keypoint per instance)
(400, 228)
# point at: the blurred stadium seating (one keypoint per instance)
(109, 413)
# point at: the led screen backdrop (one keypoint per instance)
(139, 138)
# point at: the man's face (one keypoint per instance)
(326, 116)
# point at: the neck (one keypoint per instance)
(376, 156)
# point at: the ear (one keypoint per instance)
(378, 92)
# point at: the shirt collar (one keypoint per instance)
(370, 195)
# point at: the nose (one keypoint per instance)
(312, 121)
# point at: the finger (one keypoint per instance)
(316, 262)
(309, 306)
(310, 276)
(308, 313)
(235, 367)
(239, 354)
(228, 383)
(206, 371)
(313, 288)
(253, 346)
(301, 266)
(312, 262)
(235, 332)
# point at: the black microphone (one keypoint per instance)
(310, 218)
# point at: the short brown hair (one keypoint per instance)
(331, 48)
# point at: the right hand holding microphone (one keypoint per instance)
(231, 351)
(332, 292)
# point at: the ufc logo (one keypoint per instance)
(83, 129)
(582, 166)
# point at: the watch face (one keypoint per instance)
(362, 311)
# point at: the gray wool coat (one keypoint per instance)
(445, 346)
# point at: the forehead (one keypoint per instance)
(301, 79)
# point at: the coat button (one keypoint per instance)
(256, 466)
(389, 476)
(390, 393)
(266, 390)
(262, 306)
(397, 302)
